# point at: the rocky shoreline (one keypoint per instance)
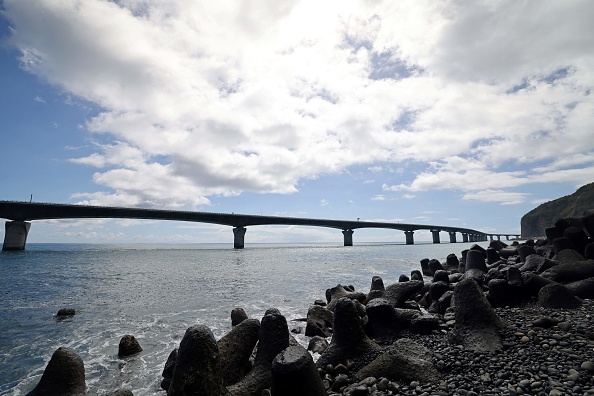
(505, 320)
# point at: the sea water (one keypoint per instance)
(155, 292)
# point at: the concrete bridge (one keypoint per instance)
(21, 214)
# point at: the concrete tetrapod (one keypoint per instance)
(294, 373)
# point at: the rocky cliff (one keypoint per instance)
(534, 222)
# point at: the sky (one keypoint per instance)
(458, 113)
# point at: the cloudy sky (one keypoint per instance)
(466, 113)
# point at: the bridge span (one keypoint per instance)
(20, 215)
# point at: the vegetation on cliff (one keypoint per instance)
(534, 222)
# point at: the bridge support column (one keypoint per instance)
(348, 237)
(498, 237)
(409, 237)
(15, 236)
(507, 237)
(491, 237)
(435, 236)
(238, 237)
(452, 236)
(464, 237)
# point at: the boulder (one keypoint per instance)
(273, 339)
(477, 325)
(404, 361)
(582, 288)
(64, 375)
(339, 291)
(294, 373)
(349, 340)
(128, 346)
(317, 344)
(319, 321)
(557, 296)
(238, 315)
(235, 350)
(570, 271)
(65, 313)
(197, 370)
(398, 293)
(167, 373)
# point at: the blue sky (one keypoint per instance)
(454, 113)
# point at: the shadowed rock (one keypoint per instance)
(557, 296)
(238, 315)
(128, 346)
(582, 288)
(273, 339)
(65, 313)
(319, 321)
(475, 260)
(398, 293)
(63, 376)
(377, 283)
(340, 291)
(571, 271)
(405, 361)
(235, 349)
(197, 370)
(452, 261)
(533, 283)
(349, 340)
(477, 325)
(317, 344)
(294, 373)
(167, 373)
(383, 322)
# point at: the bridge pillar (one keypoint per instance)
(348, 237)
(464, 237)
(409, 237)
(435, 236)
(498, 237)
(507, 237)
(452, 236)
(238, 237)
(15, 236)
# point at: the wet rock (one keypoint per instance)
(273, 339)
(128, 346)
(64, 375)
(238, 315)
(349, 340)
(65, 313)
(405, 361)
(295, 374)
(557, 296)
(319, 321)
(197, 370)
(235, 349)
(477, 325)
(167, 373)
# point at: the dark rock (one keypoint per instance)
(441, 276)
(455, 278)
(238, 315)
(349, 340)
(514, 277)
(582, 288)
(445, 301)
(475, 259)
(557, 296)
(123, 392)
(570, 271)
(272, 311)
(398, 293)
(235, 349)
(435, 265)
(437, 289)
(168, 369)
(492, 255)
(493, 273)
(64, 375)
(589, 251)
(65, 312)
(553, 233)
(319, 321)
(377, 284)
(508, 252)
(383, 323)
(563, 243)
(499, 293)
(339, 291)
(403, 278)
(424, 324)
(545, 322)
(416, 275)
(197, 370)
(532, 262)
(321, 303)
(568, 256)
(533, 283)
(479, 248)
(425, 267)
(317, 344)
(477, 325)
(294, 373)
(577, 236)
(273, 339)
(452, 261)
(372, 295)
(497, 245)
(128, 346)
(404, 361)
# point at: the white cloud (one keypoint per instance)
(200, 99)
(324, 202)
(378, 197)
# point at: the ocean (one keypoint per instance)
(155, 292)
